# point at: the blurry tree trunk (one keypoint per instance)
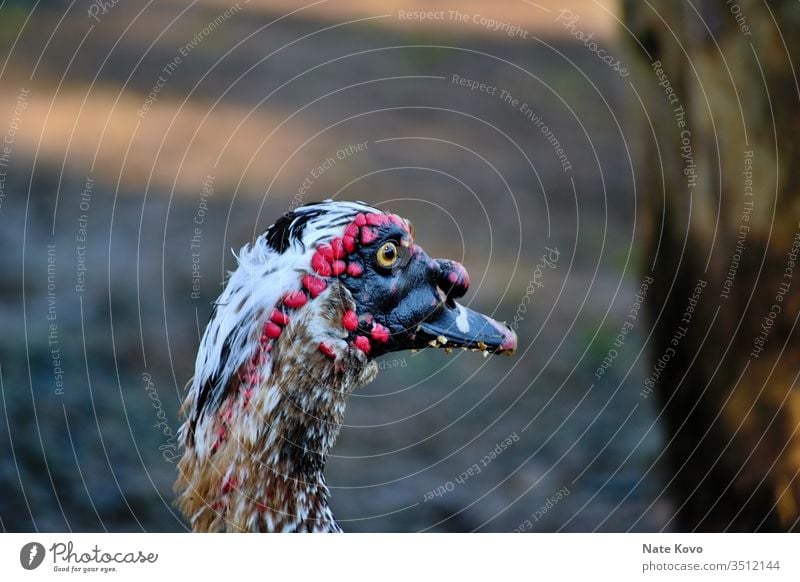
(721, 203)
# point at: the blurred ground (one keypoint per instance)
(109, 175)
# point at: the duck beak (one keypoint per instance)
(453, 325)
(456, 326)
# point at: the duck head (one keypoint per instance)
(403, 298)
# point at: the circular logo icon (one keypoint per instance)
(31, 555)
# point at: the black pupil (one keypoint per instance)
(389, 252)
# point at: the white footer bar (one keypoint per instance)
(355, 557)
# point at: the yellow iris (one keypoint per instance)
(387, 255)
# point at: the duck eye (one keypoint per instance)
(387, 255)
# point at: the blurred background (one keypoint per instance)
(145, 141)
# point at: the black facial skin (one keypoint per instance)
(415, 300)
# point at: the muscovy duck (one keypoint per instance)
(314, 300)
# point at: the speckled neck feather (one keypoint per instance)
(270, 438)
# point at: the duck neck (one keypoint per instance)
(261, 468)
(281, 483)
